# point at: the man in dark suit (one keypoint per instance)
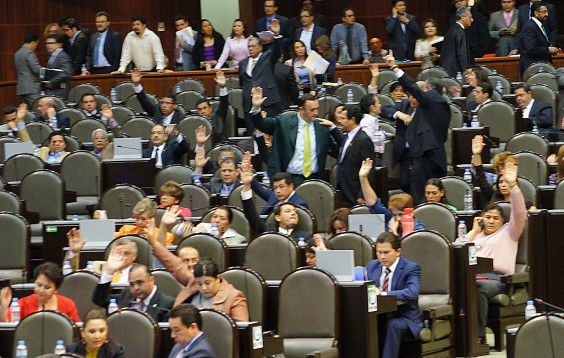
(28, 70)
(534, 42)
(186, 330)
(550, 24)
(264, 23)
(78, 44)
(217, 117)
(478, 35)
(287, 86)
(228, 175)
(456, 54)
(291, 134)
(403, 30)
(308, 32)
(47, 113)
(143, 294)
(397, 276)
(319, 19)
(539, 113)
(57, 83)
(282, 191)
(104, 49)
(166, 152)
(165, 112)
(503, 26)
(426, 131)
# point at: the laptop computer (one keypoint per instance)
(128, 148)
(339, 262)
(97, 233)
(370, 225)
(11, 149)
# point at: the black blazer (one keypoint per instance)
(286, 30)
(154, 110)
(112, 49)
(400, 137)
(62, 121)
(551, 24)
(403, 44)
(478, 34)
(541, 114)
(172, 152)
(159, 306)
(198, 52)
(456, 55)
(317, 31)
(77, 52)
(532, 45)
(286, 83)
(108, 350)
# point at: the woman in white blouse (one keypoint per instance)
(236, 46)
(425, 48)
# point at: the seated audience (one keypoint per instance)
(47, 114)
(185, 324)
(47, 279)
(88, 105)
(171, 194)
(144, 213)
(14, 119)
(435, 193)
(339, 221)
(103, 149)
(282, 191)
(228, 179)
(95, 342)
(56, 152)
(318, 243)
(222, 217)
(236, 46)
(217, 117)
(165, 112)
(166, 151)
(483, 93)
(539, 113)
(208, 47)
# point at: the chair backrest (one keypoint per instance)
(358, 91)
(500, 117)
(18, 166)
(188, 84)
(82, 172)
(543, 93)
(208, 246)
(144, 250)
(434, 71)
(387, 127)
(386, 76)
(387, 87)
(119, 200)
(79, 287)
(9, 202)
(559, 196)
(188, 99)
(528, 141)
(221, 331)
(455, 188)
(452, 86)
(433, 252)
(360, 209)
(272, 255)
(456, 116)
(44, 192)
(235, 200)
(216, 151)
(307, 221)
(438, 217)
(231, 82)
(122, 114)
(196, 198)
(235, 98)
(83, 129)
(385, 100)
(540, 336)
(42, 329)
(73, 143)
(76, 93)
(166, 282)
(533, 167)
(102, 99)
(15, 238)
(133, 103)
(504, 82)
(327, 103)
(135, 330)
(320, 198)
(239, 222)
(253, 286)
(230, 120)
(188, 126)
(544, 78)
(182, 174)
(530, 190)
(3, 141)
(38, 132)
(138, 127)
(538, 67)
(74, 114)
(124, 90)
(362, 246)
(59, 103)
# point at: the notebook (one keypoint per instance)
(11, 149)
(127, 148)
(339, 262)
(97, 233)
(370, 225)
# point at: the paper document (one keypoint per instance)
(316, 64)
(187, 35)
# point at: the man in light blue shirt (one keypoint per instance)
(353, 35)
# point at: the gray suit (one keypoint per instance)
(505, 43)
(61, 83)
(28, 70)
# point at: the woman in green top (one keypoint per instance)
(435, 193)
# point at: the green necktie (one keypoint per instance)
(545, 35)
(306, 171)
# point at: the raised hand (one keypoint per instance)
(275, 26)
(116, 260)
(171, 215)
(478, 144)
(220, 78)
(106, 110)
(201, 136)
(374, 70)
(75, 242)
(390, 60)
(365, 168)
(325, 122)
(136, 76)
(201, 160)
(246, 177)
(510, 173)
(258, 99)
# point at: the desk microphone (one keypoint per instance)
(126, 147)
(542, 302)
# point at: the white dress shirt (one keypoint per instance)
(145, 51)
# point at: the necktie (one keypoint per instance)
(343, 149)
(116, 277)
(544, 33)
(386, 280)
(349, 40)
(156, 153)
(97, 48)
(306, 171)
(507, 19)
(253, 64)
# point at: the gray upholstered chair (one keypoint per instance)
(559, 196)
(182, 174)
(208, 246)
(122, 114)
(38, 132)
(235, 99)
(135, 330)
(500, 117)
(538, 67)
(189, 84)
(82, 172)
(528, 141)
(327, 103)
(505, 83)
(239, 222)
(272, 255)
(533, 167)
(456, 116)
(221, 331)
(18, 166)
(189, 99)
(320, 198)
(543, 78)
(74, 114)
(138, 127)
(362, 246)
(196, 198)
(166, 282)
(10, 202)
(307, 221)
(308, 313)
(124, 90)
(253, 286)
(529, 189)
(42, 329)
(434, 71)
(540, 336)
(385, 100)
(83, 129)
(231, 82)
(188, 126)
(216, 151)
(43, 191)
(119, 200)
(360, 209)
(133, 103)
(455, 188)
(437, 216)
(235, 200)
(144, 250)
(386, 88)
(76, 93)
(79, 287)
(433, 252)
(15, 237)
(358, 91)
(386, 76)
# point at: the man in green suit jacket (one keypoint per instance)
(290, 132)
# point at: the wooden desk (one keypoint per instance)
(140, 172)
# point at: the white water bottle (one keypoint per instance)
(379, 139)
(499, 87)
(113, 95)
(462, 230)
(178, 89)
(468, 201)
(467, 176)
(266, 180)
(301, 242)
(530, 310)
(67, 268)
(536, 129)
(89, 266)
(214, 230)
(459, 77)
(15, 310)
(113, 306)
(60, 347)
(21, 349)
(350, 97)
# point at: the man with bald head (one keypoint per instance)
(47, 113)
(376, 53)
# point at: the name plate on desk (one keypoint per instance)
(257, 337)
(372, 298)
(472, 256)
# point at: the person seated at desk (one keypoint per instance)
(88, 105)
(14, 119)
(217, 117)
(397, 276)
(282, 191)
(318, 243)
(95, 342)
(185, 324)
(483, 93)
(166, 151)
(143, 294)
(557, 159)
(55, 153)
(103, 149)
(498, 240)
(171, 193)
(396, 202)
(144, 213)
(228, 179)
(47, 279)
(222, 217)
(47, 114)
(539, 113)
(339, 221)
(435, 193)
(211, 165)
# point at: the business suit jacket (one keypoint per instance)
(218, 119)
(61, 83)
(77, 52)
(215, 185)
(172, 152)
(229, 300)
(154, 110)
(533, 46)
(360, 148)
(318, 20)
(317, 31)
(456, 54)
(112, 50)
(402, 43)
(272, 200)
(406, 283)
(286, 83)
(158, 307)
(541, 114)
(477, 34)
(284, 131)
(504, 43)
(28, 70)
(286, 30)
(551, 24)
(201, 348)
(400, 138)
(62, 121)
